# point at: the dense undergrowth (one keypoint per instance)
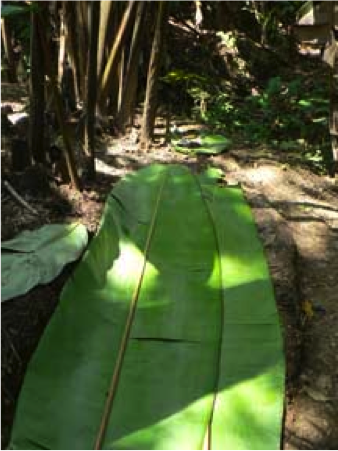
(256, 95)
(291, 116)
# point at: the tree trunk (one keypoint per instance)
(36, 95)
(108, 74)
(62, 44)
(7, 40)
(82, 30)
(112, 97)
(66, 77)
(92, 87)
(68, 151)
(107, 9)
(73, 46)
(333, 122)
(130, 85)
(149, 110)
(121, 77)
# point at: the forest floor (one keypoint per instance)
(296, 212)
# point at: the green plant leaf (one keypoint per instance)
(39, 256)
(306, 103)
(13, 10)
(166, 334)
(207, 144)
(274, 86)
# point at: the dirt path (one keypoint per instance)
(297, 217)
(309, 204)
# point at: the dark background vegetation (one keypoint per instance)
(235, 66)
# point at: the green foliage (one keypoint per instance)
(228, 39)
(274, 18)
(12, 10)
(283, 114)
(287, 11)
(181, 76)
(186, 90)
(18, 18)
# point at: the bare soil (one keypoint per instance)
(296, 212)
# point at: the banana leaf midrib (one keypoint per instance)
(213, 225)
(125, 337)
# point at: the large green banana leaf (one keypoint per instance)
(167, 335)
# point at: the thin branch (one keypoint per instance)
(19, 199)
(11, 345)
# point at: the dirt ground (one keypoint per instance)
(297, 217)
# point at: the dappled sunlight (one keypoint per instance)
(241, 270)
(265, 392)
(173, 431)
(213, 281)
(128, 266)
(263, 175)
(260, 389)
(121, 278)
(107, 169)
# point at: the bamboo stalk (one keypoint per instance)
(91, 86)
(68, 151)
(114, 53)
(149, 109)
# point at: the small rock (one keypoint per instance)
(316, 395)
(324, 383)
